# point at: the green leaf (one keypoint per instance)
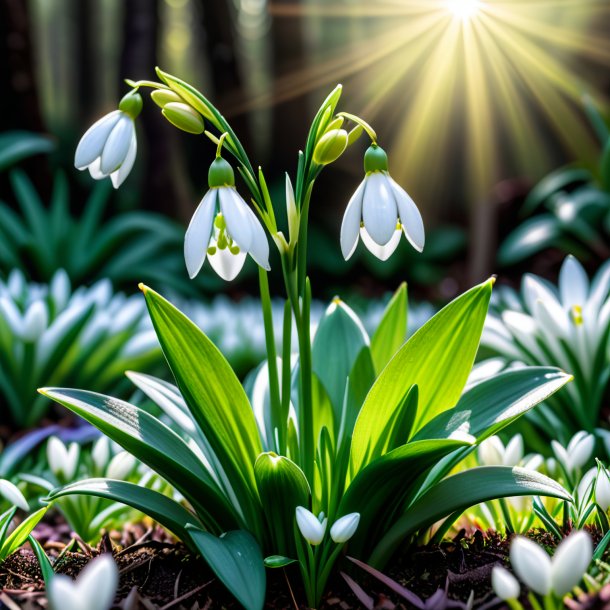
(21, 533)
(156, 445)
(530, 237)
(5, 522)
(459, 492)
(237, 560)
(278, 561)
(18, 145)
(214, 395)
(282, 487)
(392, 330)
(438, 359)
(45, 564)
(169, 513)
(493, 404)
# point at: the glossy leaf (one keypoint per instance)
(20, 533)
(392, 330)
(237, 560)
(459, 492)
(45, 564)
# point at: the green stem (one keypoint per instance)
(274, 382)
(286, 361)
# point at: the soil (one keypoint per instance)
(159, 574)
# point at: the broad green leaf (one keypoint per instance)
(213, 393)
(169, 513)
(459, 492)
(338, 341)
(21, 533)
(282, 487)
(379, 490)
(438, 359)
(156, 445)
(531, 236)
(493, 404)
(237, 560)
(392, 330)
(18, 145)
(45, 564)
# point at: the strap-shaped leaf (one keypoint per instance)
(437, 358)
(459, 492)
(213, 393)
(166, 511)
(392, 330)
(493, 404)
(21, 533)
(156, 445)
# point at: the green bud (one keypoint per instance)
(220, 173)
(335, 124)
(330, 146)
(161, 97)
(131, 104)
(183, 117)
(375, 159)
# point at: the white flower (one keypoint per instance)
(100, 452)
(345, 527)
(94, 588)
(602, 489)
(224, 228)
(504, 584)
(379, 211)
(311, 528)
(13, 494)
(62, 460)
(109, 146)
(492, 451)
(577, 453)
(120, 465)
(559, 575)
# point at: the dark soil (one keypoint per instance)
(157, 573)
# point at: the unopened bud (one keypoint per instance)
(330, 146)
(183, 117)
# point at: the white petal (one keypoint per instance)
(259, 248)
(514, 451)
(583, 451)
(350, 226)
(491, 452)
(570, 562)
(381, 252)
(226, 265)
(63, 595)
(532, 564)
(379, 210)
(13, 494)
(92, 143)
(95, 171)
(573, 283)
(409, 216)
(602, 490)
(117, 145)
(235, 211)
(97, 583)
(197, 237)
(600, 288)
(504, 584)
(119, 176)
(535, 289)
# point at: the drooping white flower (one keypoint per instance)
(504, 584)
(311, 527)
(577, 453)
(224, 228)
(379, 211)
(109, 146)
(62, 460)
(9, 491)
(344, 528)
(558, 575)
(94, 588)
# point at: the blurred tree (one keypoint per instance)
(85, 66)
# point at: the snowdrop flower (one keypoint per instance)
(492, 451)
(577, 453)
(311, 527)
(12, 493)
(379, 211)
(504, 584)
(224, 228)
(602, 489)
(109, 146)
(344, 528)
(94, 588)
(558, 575)
(62, 460)
(120, 465)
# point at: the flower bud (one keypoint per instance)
(62, 460)
(120, 466)
(330, 146)
(570, 562)
(375, 159)
(131, 104)
(311, 528)
(504, 584)
(602, 490)
(183, 117)
(220, 173)
(13, 494)
(291, 212)
(100, 453)
(343, 529)
(162, 97)
(532, 565)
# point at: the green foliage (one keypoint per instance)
(9, 543)
(18, 145)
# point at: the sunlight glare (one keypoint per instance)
(464, 9)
